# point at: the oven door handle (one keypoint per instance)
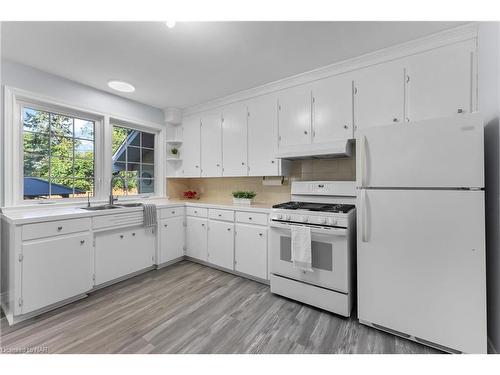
(314, 230)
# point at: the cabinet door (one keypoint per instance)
(121, 252)
(294, 116)
(250, 250)
(211, 144)
(440, 82)
(263, 136)
(196, 238)
(221, 244)
(332, 109)
(55, 269)
(171, 239)
(190, 151)
(234, 140)
(379, 95)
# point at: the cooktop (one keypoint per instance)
(310, 206)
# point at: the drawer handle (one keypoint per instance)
(59, 229)
(82, 242)
(121, 236)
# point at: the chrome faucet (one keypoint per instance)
(112, 199)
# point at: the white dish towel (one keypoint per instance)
(149, 214)
(301, 248)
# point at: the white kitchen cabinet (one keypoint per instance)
(263, 136)
(190, 150)
(250, 250)
(440, 82)
(171, 239)
(234, 140)
(55, 269)
(196, 237)
(379, 95)
(211, 144)
(294, 116)
(123, 251)
(332, 109)
(221, 243)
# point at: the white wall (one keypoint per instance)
(489, 105)
(42, 83)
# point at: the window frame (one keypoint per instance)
(12, 143)
(64, 112)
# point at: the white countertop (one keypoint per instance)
(21, 215)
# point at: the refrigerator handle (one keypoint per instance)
(363, 215)
(362, 152)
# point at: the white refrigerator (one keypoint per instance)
(421, 231)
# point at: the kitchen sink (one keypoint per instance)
(102, 207)
(128, 204)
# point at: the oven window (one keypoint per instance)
(322, 253)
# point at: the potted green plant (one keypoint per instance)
(175, 152)
(243, 197)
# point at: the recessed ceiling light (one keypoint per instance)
(121, 86)
(170, 24)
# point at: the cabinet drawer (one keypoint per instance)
(251, 218)
(54, 228)
(196, 211)
(165, 213)
(225, 215)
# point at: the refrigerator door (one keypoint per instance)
(445, 153)
(421, 265)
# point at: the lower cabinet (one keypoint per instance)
(55, 269)
(221, 244)
(196, 237)
(171, 239)
(250, 250)
(122, 252)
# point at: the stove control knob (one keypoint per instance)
(304, 219)
(287, 217)
(279, 216)
(322, 220)
(332, 221)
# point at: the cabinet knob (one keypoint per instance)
(196, 166)
(218, 165)
(133, 234)
(272, 161)
(173, 212)
(346, 126)
(220, 215)
(59, 228)
(82, 242)
(260, 234)
(249, 218)
(460, 110)
(305, 132)
(165, 225)
(242, 163)
(228, 229)
(394, 119)
(202, 225)
(121, 236)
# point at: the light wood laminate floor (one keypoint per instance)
(190, 308)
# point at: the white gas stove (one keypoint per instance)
(327, 208)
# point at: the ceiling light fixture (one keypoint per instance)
(121, 86)
(170, 24)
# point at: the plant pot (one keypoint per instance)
(242, 201)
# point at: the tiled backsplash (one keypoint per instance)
(220, 188)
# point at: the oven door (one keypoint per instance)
(330, 256)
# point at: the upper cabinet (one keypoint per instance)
(332, 109)
(211, 144)
(440, 82)
(190, 151)
(294, 116)
(234, 140)
(379, 95)
(263, 136)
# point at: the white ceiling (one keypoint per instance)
(195, 61)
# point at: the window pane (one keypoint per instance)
(61, 125)
(61, 167)
(35, 121)
(61, 187)
(118, 166)
(84, 149)
(35, 187)
(135, 138)
(133, 154)
(84, 129)
(84, 168)
(148, 156)
(146, 186)
(148, 140)
(133, 170)
(36, 166)
(119, 138)
(82, 187)
(36, 143)
(61, 146)
(148, 171)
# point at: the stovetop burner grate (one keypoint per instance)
(319, 207)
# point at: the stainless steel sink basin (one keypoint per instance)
(102, 207)
(128, 204)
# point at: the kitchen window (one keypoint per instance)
(58, 154)
(134, 160)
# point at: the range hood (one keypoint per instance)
(330, 150)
